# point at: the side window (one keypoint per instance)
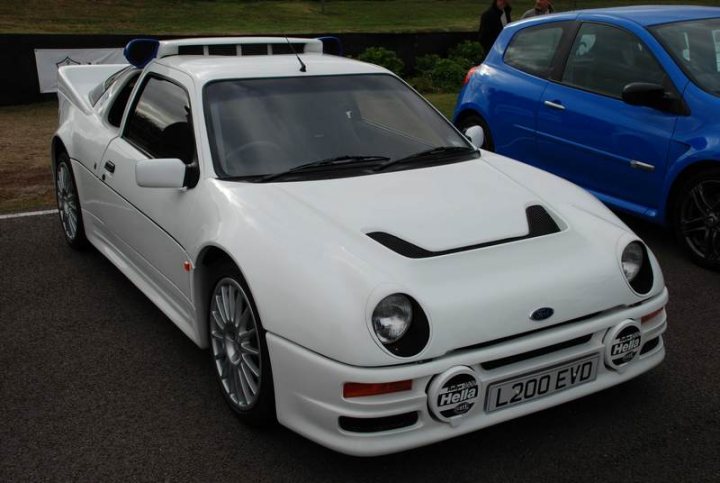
(604, 59)
(532, 50)
(118, 108)
(97, 92)
(160, 122)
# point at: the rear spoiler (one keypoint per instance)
(140, 52)
(76, 81)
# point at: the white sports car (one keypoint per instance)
(358, 269)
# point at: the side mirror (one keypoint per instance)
(160, 173)
(476, 135)
(646, 94)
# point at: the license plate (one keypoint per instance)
(521, 389)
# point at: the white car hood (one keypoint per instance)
(310, 249)
(426, 207)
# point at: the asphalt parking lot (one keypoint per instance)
(97, 384)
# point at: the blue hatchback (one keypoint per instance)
(622, 101)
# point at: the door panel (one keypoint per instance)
(148, 221)
(595, 139)
(513, 106)
(138, 217)
(587, 134)
(94, 142)
(512, 114)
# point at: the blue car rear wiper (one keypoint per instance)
(430, 154)
(347, 159)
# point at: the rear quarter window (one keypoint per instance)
(100, 89)
(118, 107)
(533, 49)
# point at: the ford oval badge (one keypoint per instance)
(542, 314)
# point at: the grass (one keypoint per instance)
(445, 103)
(259, 17)
(25, 177)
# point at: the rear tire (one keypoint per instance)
(696, 217)
(68, 202)
(475, 120)
(240, 357)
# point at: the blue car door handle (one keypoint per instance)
(555, 105)
(641, 166)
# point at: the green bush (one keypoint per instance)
(467, 53)
(448, 75)
(434, 73)
(424, 84)
(439, 75)
(383, 57)
(425, 64)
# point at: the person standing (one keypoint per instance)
(542, 7)
(492, 21)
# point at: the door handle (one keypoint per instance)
(642, 166)
(110, 166)
(555, 105)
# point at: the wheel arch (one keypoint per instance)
(680, 177)
(468, 110)
(57, 146)
(209, 257)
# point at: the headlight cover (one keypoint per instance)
(392, 318)
(632, 260)
(636, 267)
(400, 325)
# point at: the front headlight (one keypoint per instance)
(632, 260)
(392, 317)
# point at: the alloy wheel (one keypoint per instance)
(700, 220)
(235, 343)
(67, 201)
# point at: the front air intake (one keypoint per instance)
(540, 223)
(376, 425)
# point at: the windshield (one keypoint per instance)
(695, 46)
(264, 126)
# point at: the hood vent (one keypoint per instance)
(540, 223)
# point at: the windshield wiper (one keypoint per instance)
(346, 159)
(430, 154)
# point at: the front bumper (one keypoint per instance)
(309, 387)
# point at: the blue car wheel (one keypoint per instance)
(696, 217)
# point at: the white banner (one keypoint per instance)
(48, 61)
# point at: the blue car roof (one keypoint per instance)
(648, 15)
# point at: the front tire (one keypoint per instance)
(68, 202)
(696, 217)
(238, 348)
